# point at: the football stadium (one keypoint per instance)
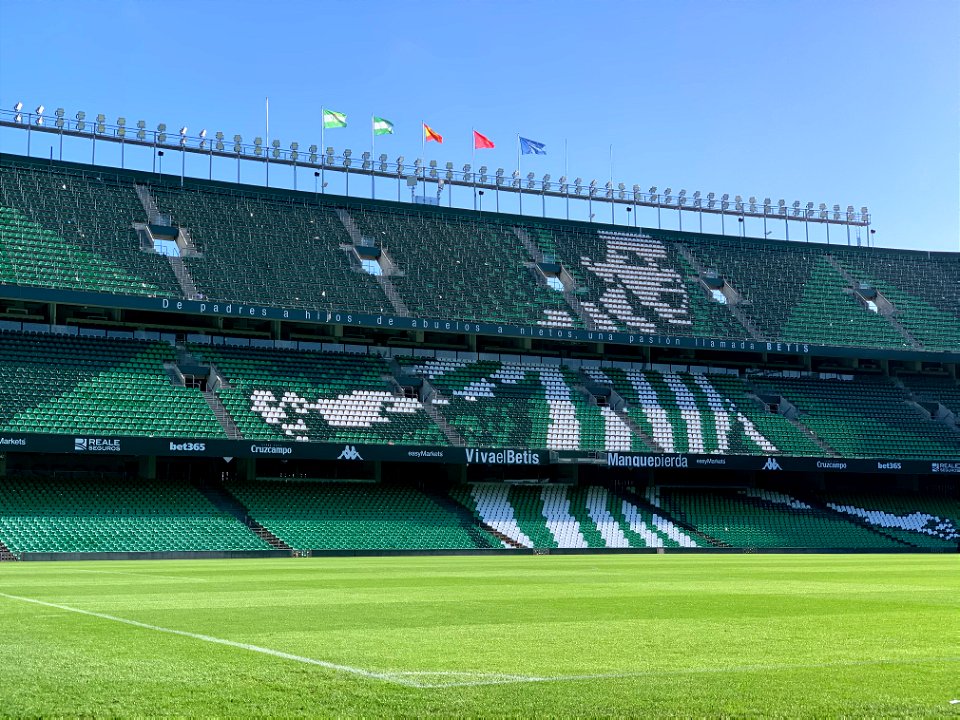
(280, 450)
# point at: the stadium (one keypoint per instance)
(395, 453)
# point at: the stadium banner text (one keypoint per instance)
(92, 445)
(462, 327)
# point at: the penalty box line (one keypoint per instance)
(467, 678)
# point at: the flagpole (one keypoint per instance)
(519, 176)
(268, 141)
(373, 144)
(473, 164)
(423, 155)
(613, 205)
(323, 152)
(567, 176)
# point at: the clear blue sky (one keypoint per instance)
(838, 102)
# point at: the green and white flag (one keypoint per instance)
(333, 119)
(381, 126)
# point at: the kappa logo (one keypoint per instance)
(349, 453)
(772, 464)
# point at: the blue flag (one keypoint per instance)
(532, 147)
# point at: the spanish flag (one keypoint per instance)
(429, 134)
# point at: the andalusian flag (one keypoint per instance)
(333, 119)
(381, 126)
(429, 134)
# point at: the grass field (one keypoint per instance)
(594, 635)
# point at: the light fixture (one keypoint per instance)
(313, 154)
(219, 143)
(59, 112)
(39, 114)
(347, 155)
(237, 145)
(101, 126)
(275, 144)
(18, 107)
(81, 117)
(294, 151)
(258, 146)
(121, 127)
(711, 200)
(682, 198)
(753, 204)
(162, 130)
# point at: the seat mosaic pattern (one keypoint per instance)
(320, 397)
(506, 404)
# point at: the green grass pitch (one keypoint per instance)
(654, 635)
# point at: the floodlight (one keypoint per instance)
(59, 112)
(483, 174)
(18, 107)
(101, 126)
(141, 130)
(725, 201)
(823, 211)
(313, 154)
(347, 161)
(466, 168)
(864, 212)
(81, 116)
(546, 182)
(653, 191)
(382, 158)
(121, 127)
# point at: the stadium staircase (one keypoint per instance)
(890, 316)
(221, 499)
(742, 318)
(538, 257)
(5, 554)
(468, 521)
(651, 506)
(389, 289)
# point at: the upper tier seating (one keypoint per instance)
(312, 396)
(866, 417)
(924, 288)
(58, 515)
(310, 515)
(66, 226)
(70, 384)
(463, 268)
(790, 291)
(74, 229)
(270, 250)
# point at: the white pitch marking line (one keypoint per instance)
(480, 678)
(208, 638)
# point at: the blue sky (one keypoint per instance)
(839, 102)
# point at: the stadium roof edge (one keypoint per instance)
(392, 205)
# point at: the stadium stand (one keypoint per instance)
(864, 417)
(312, 396)
(355, 516)
(45, 514)
(765, 519)
(82, 385)
(74, 229)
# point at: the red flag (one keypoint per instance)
(429, 134)
(481, 141)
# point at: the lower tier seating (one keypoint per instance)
(351, 516)
(85, 516)
(759, 518)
